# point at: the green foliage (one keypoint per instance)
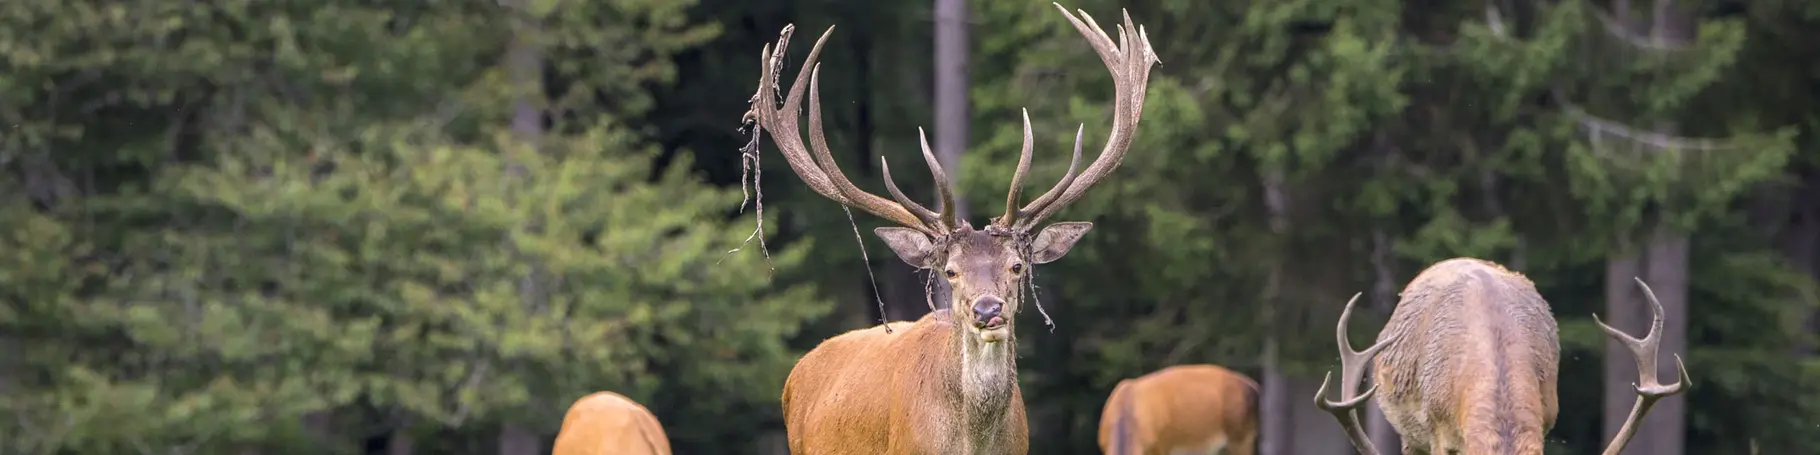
(293, 210)
(1428, 128)
(229, 221)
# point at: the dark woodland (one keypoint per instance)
(394, 227)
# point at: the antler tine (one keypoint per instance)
(943, 186)
(769, 115)
(818, 170)
(1129, 60)
(819, 143)
(1648, 388)
(929, 217)
(1067, 179)
(1017, 178)
(1352, 370)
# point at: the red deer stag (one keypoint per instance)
(947, 383)
(1183, 409)
(1468, 365)
(604, 423)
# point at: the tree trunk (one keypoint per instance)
(1384, 296)
(1620, 311)
(1662, 262)
(1802, 243)
(515, 440)
(400, 443)
(320, 426)
(524, 66)
(1317, 433)
(397, 438)
(1665, 427)
(1276, 435)
(951, 110)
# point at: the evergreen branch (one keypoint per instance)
(1599, 127)
(1613, 27)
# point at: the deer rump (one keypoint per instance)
(869, 391)
(1181, 409)
(1471, 365)
(604, 423)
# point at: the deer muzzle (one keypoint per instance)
(988, 312)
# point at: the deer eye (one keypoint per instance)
(1017, 267)
(950, 273)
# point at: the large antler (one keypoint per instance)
(1129, 60)
(1648, 388)
(1352, 370)
(820, 172)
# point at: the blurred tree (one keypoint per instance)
(1214, 221)
(952, 104)
(1424, 133)
(263, 212)
(288, 227)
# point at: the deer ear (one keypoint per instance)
(911, 245)
(1056, 239)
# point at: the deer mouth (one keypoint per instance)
(997, 322)
(993, 330)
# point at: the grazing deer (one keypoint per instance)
(1182, 409)
(947, 383)
(607, 423)
(1468, 365)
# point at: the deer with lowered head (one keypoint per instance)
(607, 423)
(1182, 409)
(946, 383)
(1468, 363)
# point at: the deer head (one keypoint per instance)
(985, 267)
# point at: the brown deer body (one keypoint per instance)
(892, 391)
(947, 383)
(1183, 409)
(1468, 364)
(607, 423)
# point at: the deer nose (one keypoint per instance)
(987, 307)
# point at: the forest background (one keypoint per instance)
(343, 227)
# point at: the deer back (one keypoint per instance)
(1181, 409)
(1471, 360)
(899, 390)
(603, 423)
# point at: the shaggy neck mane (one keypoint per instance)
(983, 377)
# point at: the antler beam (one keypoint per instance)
(1649, 389)
(819, 170)
(1129, 60)
(1352, 370)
